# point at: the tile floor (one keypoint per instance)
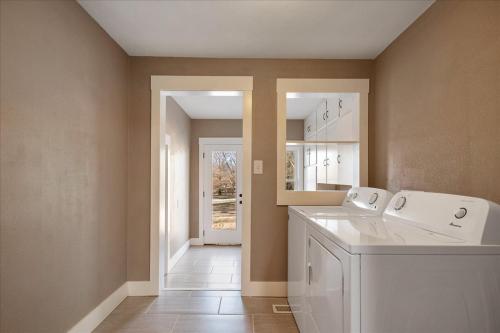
(207, 267)
(200, 311)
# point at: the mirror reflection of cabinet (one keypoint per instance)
(329, 120)
(332, 141)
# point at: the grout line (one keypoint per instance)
(220, 304)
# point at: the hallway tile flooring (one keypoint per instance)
(207, 267)
(200, 312)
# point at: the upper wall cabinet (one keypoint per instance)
(332, 154)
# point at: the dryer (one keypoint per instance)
(430, 263)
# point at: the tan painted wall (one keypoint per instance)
(269, 222)
(295, 129)
(63, 160)
(206, 128)
(179, 129)
(436, 125)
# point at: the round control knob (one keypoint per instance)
(400, 203)
(373, 198)
(461, 213)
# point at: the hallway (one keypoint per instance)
(207, 267)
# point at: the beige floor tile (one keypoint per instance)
(178, 293)
(219, 293)
(137, 323)
(185, 305)
(249, 305)
(213, 324)
(274, 323)
(135, 304)
(208, 267)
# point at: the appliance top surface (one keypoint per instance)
(359, 235)
(359, 201)
(419, 222)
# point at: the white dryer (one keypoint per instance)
(430, 264)
(359, 201)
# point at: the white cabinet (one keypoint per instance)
(310, 127)
(325, 293)
(332, 167)
(344, 121)
(335, 119)
(310, 178)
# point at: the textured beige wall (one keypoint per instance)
(436, 125)
(179, 129)
(206, 128)
(269, 222)
(63, 161)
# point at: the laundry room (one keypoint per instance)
(256, 166)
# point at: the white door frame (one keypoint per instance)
(201, 179)
(161, 84)
(164, 245)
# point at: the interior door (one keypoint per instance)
(326, 290)
(222, 194)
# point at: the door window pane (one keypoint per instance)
(224, 190)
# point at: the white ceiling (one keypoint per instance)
(210, 107)
(255, 29)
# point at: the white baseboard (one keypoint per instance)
(196, 241)
(96, 316)
(264, 288)
(180, 252)
(141, 288)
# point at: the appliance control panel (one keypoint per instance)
(471, 219)
(369, 198)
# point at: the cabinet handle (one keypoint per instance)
(324, 116)
(340, 105)
(309, 273)
(338, 158)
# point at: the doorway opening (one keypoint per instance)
(203, 210)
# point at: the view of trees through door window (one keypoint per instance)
(224, 190)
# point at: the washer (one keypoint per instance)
(359, 201)
(430, 263)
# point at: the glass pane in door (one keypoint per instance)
(224, 190)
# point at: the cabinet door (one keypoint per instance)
(321, 157)
(345, 127)
(297, 284)
(325, 297)
(321, 116)
(346, 164)
(310, 178)
(332, 165)
(310, 127)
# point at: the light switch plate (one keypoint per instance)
(258, 167)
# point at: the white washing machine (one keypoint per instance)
(359, 201)
(430, 264)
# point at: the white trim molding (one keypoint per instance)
(284, 86)
(180, 252)
(196, 241)
(160, 86)
(99, 313)
(268, 288)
